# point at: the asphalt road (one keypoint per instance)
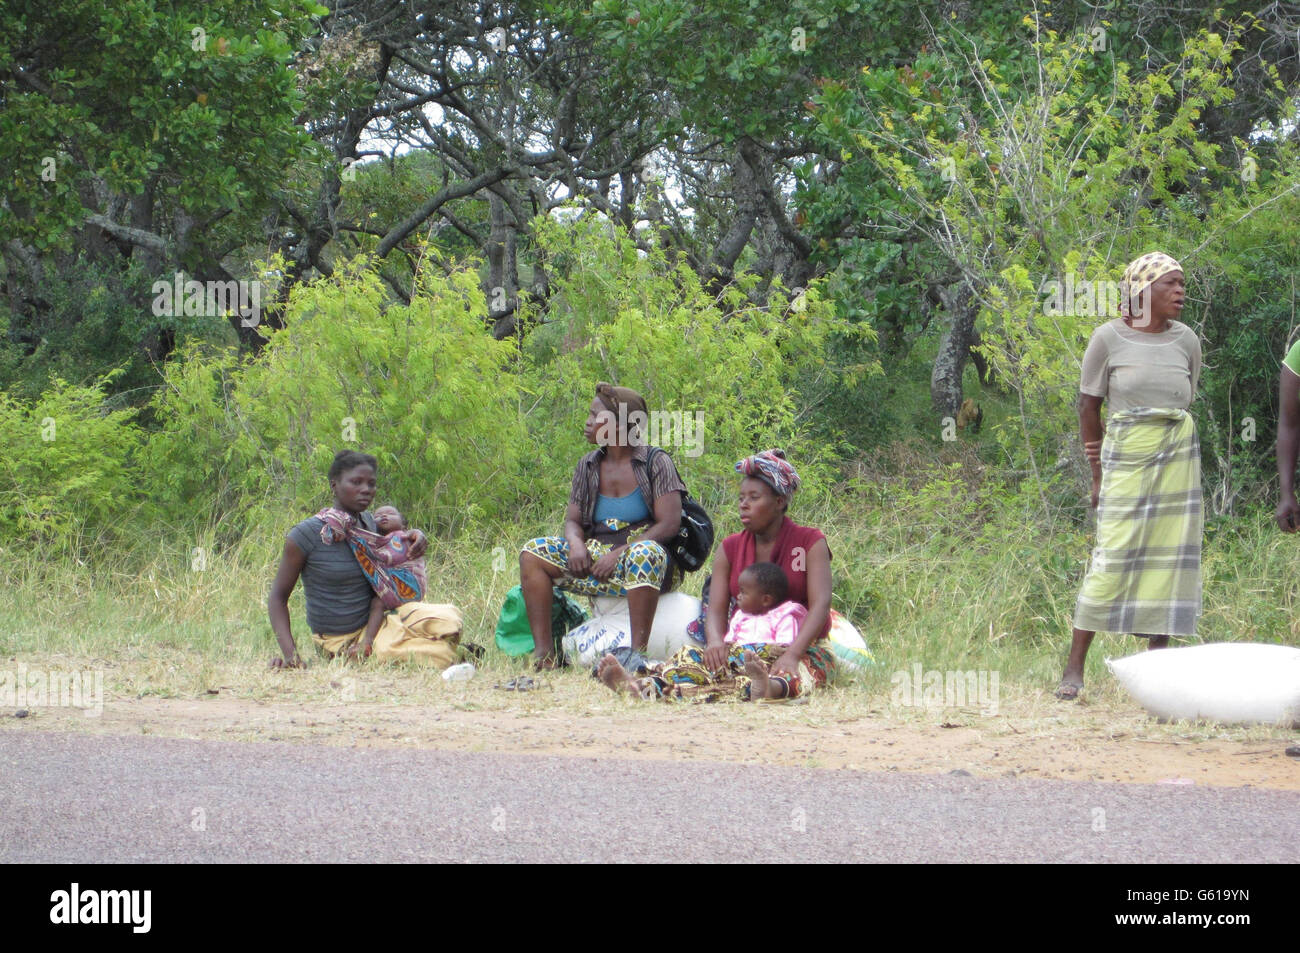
(91, 799)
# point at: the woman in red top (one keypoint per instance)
(769, 536)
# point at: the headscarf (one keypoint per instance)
(623, 402)
(771, 467)
(1140, 274)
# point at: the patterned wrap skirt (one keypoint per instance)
(1145, 574)
(642, 565)
(685, 676)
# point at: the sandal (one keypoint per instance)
(521, 683)
(1068, 691)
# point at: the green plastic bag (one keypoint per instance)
(513, 635)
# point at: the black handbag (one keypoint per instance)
(691, 547)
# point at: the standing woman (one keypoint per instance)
(1288, 440)
(1145, 574)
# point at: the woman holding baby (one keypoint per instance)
(763, 639)
(363, 577)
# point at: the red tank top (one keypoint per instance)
(792, 543)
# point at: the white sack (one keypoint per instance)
(1233, 683)
(611, 627)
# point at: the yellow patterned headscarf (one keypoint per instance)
(1140, 274)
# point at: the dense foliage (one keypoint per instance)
(796, 226)
(466, 428)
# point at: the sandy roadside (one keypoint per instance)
(1076, 744)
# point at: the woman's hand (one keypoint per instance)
(579, 559)
(416, 542)
(1092, 434)
(360, 649)
(787, 665)
(1092, 450)
(715, 656)
(277, 605)
(606, 565)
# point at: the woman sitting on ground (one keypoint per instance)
(753, 670)
(345, 568)
(624, 505)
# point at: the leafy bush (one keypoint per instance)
(194, 463)
(634, 318)
(67, 461)
(1248, 279)
(420, 386)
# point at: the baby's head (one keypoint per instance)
(763, 587)
(388, 519)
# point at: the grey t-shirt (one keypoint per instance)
(1136, 369)
(337, 591)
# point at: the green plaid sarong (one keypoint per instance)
(1145, 573)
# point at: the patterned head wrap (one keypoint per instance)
(771, 467)
(1140, 274)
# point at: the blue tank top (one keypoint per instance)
(626, 509)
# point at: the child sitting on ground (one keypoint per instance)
(764, 616)
(763, 622)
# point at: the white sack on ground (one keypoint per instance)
(610, 627)
(1233, 683)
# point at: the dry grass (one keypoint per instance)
(949, 584)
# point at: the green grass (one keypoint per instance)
(939, 568)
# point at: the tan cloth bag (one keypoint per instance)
(415, 630)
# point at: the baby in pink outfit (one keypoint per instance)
(763, 613)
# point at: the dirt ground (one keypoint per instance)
(1035, 738)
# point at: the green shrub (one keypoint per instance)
(67, 461)
(633, 318)
(420, 386)
(196, 460)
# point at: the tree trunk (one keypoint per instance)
(980, 361)
(954, 350)
(745, 190)
(503, 275)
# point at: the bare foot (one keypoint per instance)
(616, 677)
(760, 686)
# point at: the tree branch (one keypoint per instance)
(469, 187)
(133, 236)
